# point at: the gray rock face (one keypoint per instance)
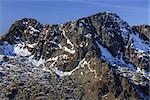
(96, 57)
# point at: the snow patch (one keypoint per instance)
(21, 50)
(72, 51)
(68, 42)
(106, 55)
(139, 44)
(124, 33)
(61, 73)
(88, 35)
(60, 46)
(36, 62)
(52, 59)
(32, 30)
(31, 45)
(69, 50)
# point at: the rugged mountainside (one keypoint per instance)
(99, 57)
(143, 29)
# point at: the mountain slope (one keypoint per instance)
(96, 57)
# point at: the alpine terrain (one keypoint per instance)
(99, 57)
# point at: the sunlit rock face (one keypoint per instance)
(99, 57)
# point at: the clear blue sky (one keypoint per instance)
(59, 11)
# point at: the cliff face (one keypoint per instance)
(96, 57)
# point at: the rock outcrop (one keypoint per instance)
(143, 29)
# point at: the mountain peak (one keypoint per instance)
(88, 53)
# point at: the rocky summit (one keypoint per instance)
(99, 57)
